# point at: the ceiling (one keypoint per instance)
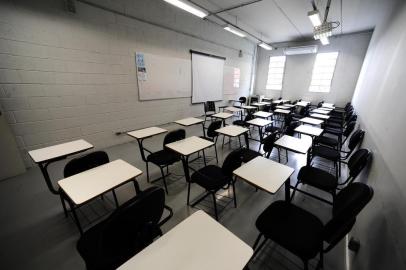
(286, 20)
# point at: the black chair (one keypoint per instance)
(127, 231)
(212, 135)
(243, 123)
(340, 139)
(268, 144)
(302, 233)
(280, 130)
(290, 130)
(242, 100)
(209, 109)
(325, 181)
(253, 100)
(213, 178)
(166, 157)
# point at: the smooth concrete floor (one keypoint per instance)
(35, 234)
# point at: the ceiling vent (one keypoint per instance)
(300, 50)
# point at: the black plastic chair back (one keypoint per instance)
(127, 231)
(266, 108)
(209, 106)
(232, 162)
(320, 104)
(288, 120)
(347, 205)
(243, 100)
(254, 99)
(290, 130)
(268, 143)
(249, 116)
(358, 161)
(174, 135)
(355, 139)
(211, 130)
(85, 162)
(349, 129)
(273, 106)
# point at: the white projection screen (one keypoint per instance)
(207, 77)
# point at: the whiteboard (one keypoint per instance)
(207, 78)
(165, 77)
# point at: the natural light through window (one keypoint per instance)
(236, 80)
(275, 72)
(323, 72)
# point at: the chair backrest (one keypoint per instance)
(128, 230)
(85, 162)
(209, 106)
(290, 130)
(320, 104)
(249, 116)
(358, 161)
(253, 100)
(268, 143)
(243, 99)
(355, 139)
(347, 205)
(232, 162)
(288, 120)
(211, 130)
(174, 135)
(349, 129)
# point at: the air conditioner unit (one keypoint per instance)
(300, 50)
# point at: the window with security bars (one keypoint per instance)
(236, 78)
(275, 72)
(323, 72)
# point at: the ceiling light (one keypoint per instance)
(314, 17)
(189, 7)
(234, 31)
(323, 30)
(300, 50)
(265, 46)
(324, 40)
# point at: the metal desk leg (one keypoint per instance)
(204, 133)
(75, 217)
(287, 190)
(185, 163)
(44, 170)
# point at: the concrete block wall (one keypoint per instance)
(65, 76)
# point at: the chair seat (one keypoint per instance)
(293, 228)
(210, 177)
(334, 125)
(163, 157)
(318, 178)
(272, 129)
(327, 141)
(326, 152)
(207, 138)
(240, 123)
(248, 154)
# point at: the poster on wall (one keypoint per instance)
(141, 69)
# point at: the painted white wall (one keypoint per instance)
(298, 70)
(65, 76)
(379, 101)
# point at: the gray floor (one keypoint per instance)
(35, 234)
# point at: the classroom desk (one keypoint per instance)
(234, 110)
(325, 109)
(290, 106)
(319, 116)
(45, 156)
(142, 134)
(266, 174)
(187, 147)
(282, 111)
(233, 131)
(262, 114)
(293, 144)
(328, 105)
(260, 123)
(85, 186)
(321, 111)
(223, 116)
(278, 101)
(311, 121)
(186, 122)
(199, 243)
(283, 107)
(247, 107)
(302, 103)
(309, 130)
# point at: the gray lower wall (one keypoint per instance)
(65, 76)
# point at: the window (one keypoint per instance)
(275, 72)
(323, 72)
(236, 78)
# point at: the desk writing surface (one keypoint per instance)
(263, 114)
(311, 121)
(146, 132)
(232, 130)
(89, 184)
(223, 115)
(246, 107)
(232, 109)
(282, 111)
(59, 150)
(319, 116)
(321, 111)
(259, 122)
(302, 103)
(309, 130)
(294, 144)
(189, 145)
(289, 105)
(264, 173)
(328, 105)
(197, 243)
(282, 107)
(258, 104)
(189, 121)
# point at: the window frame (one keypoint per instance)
(330, 75)
(268, 86)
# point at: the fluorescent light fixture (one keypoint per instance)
(234, 31)
(265, 46)
(324, 40)
(189, 7)
(314, 17)
(300, 50)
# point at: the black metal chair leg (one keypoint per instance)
(115, 198)
(164, 180)
(147, 171)
(215, 150)
(136, 186)
(234, 195)
(259, 248)
(257, 241)
(306, 265)
(188, 193)
(215, 205)
(63, 204)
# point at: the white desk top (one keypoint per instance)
(294, 144)
(282, 111)
(319, 116)
(199, 243)
(89, 184)
(248, 107)
(311, 121)
(232, 130)
(328, 105)
(309, 130)
(288, 105)
(59, 150)
(189, 121)
(321, 111)
(189, 145)
(258, 104)
(263, 114)
(278, 101)
(265, 102)
(146, 132)
(223, 115)
(302, 103)
(232, 109)
(259, 122)
(283, 107)
(326, 109)
(264, 173)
